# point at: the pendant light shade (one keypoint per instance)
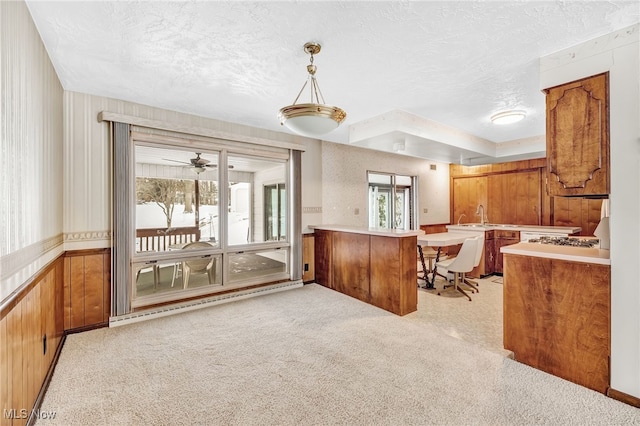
(315, 118)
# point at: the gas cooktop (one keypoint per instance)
(567, 241)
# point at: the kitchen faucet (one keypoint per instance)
(480, 212)
(460, 218)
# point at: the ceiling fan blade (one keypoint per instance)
(177, 161)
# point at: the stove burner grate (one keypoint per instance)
(566, 241)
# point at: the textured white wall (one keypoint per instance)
(618, 53)
(31, 151)
(87, 176)
(344, 184)
(311, 177)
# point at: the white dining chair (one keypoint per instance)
(462, 263)
(479, 250)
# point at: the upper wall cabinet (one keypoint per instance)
(578, 137)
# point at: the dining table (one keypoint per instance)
(439, 240)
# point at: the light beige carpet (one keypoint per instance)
(308, 356)
(478, 321)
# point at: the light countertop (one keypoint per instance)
(445, 239)
(368, 231)
(573, 254)
(476, 227)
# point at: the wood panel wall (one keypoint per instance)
(391, 263)
(557, 317)
(308, 259)
(323, 257)
(583, 212)
(351, 264)
(467, 193)
(516, 192)
(515, 197)
(87, 288)
(72, 292)
(36, 312)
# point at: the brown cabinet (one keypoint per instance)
(491, 261)
(578, 137)
(467, 193)
(323, 258)
(503, 238)
(515, 197)
(308, 262)
(512, 197)
(485, 267)
(375, 269)
(557, 317)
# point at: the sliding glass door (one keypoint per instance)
(392, 201)
(206, 220)
(275, 205)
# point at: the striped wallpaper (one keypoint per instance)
(30, 150)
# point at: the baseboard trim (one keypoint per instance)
(86, 328)
(165, 310)
(623, 397)
(33, 417)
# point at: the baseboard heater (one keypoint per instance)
(163, 311)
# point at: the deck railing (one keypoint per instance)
(160, 239)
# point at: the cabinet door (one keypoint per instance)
(501, 242)
(503, 238)
(527, 198)
(322, 257)
(557, 317)
(578, 137)
(489, 256)
(467, 194)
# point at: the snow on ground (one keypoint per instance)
(150, 215)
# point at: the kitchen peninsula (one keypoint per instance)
(497, 236)
(557, 309)
(376, 266)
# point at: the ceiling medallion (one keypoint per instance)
(314, 118)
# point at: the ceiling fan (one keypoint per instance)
(198, 164)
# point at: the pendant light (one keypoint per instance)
(315, 118)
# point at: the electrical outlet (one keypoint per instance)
(306, 267)
(356, 211)
(425, 210)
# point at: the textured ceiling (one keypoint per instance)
(454, 63)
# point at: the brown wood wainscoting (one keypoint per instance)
(71, 293)
(31, 332)
(516, 193)
(87, 288)
(308, 259)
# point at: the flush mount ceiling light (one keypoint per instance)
(508, 117)
(314, 118)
